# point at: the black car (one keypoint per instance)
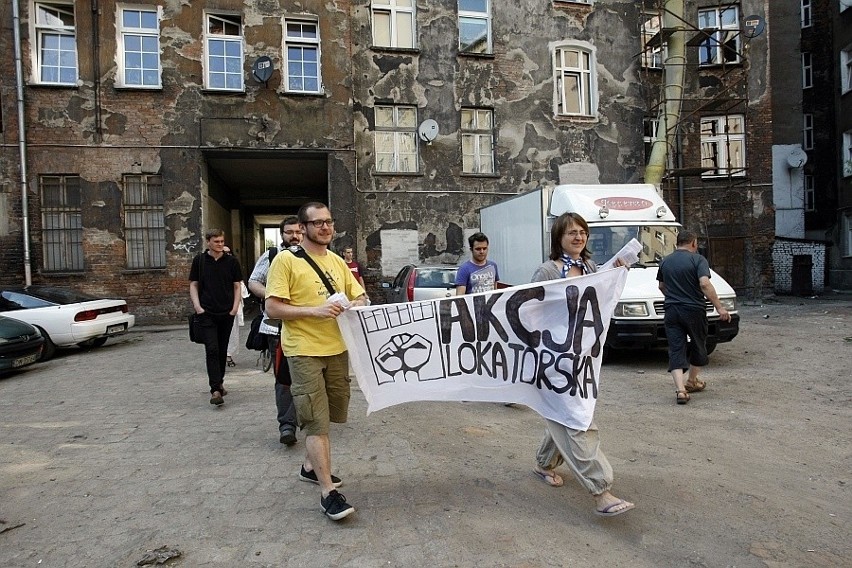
(20, 344)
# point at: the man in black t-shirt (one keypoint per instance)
(214, 288)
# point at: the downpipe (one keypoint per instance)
(22, 141)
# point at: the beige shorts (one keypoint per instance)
(321, 391)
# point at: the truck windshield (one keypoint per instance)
(657, 241)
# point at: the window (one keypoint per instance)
(845, 4)
(477, 138)
(649, 134)
(809, 193)
(847, 153)
(722, 28)
(62, 223)
(723, 145)
(807, 70)
(396, 141)
(224, 44)
(846, 69)
(301, 46)
(808, 132)
(474, 26)
(807, 14)
(393, 23)
(56, 39)
(847, 234)
(575, 83)
(139, 50)
(144, 226)
(652, 51)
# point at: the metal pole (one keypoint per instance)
(22, 142)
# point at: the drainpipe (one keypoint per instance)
(669, 114)
(96, 69)
(22, 141)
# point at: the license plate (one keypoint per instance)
(21, 361)
(118, 328)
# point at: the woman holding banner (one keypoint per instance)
(580, 450)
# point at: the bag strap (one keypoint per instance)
(272, 252)
(300, 252)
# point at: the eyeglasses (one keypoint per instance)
(575, 234)
(319, 223)
(295, 232)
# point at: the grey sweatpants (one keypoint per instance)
(580, 450)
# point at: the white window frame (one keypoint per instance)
(62, 223)
(846, 69)
(810, 193)
(807, 14)
(583, 76)
(712, 50)
(477, 19)
(147, 36)
(653, 57)
(399, 14)
(846, 156)
(144, 221)
(303, 42)
(477, 140)
(396, 139)
(54, 51)
(808, 131)
(224, 64)
(807, 70)
(716, 147)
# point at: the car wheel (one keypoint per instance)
(48, 350)
(94, 342)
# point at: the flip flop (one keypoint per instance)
(608, 510)
(698, 386)
(551, 478)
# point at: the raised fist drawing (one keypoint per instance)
(404, 355)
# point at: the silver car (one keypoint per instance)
(414, 283)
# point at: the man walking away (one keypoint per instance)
(311, 340)
(477, 274)
(684, 280)
(291, 235)
(214, 288)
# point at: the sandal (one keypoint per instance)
(682, 397)
(231, 362)
(697, 386)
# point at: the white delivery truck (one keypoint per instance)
(518, 230)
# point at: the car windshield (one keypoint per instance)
(435, 277)
(657, 241)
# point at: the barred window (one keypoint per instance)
(144, 225)
(62, 223)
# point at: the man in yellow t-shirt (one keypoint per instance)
(315, 351)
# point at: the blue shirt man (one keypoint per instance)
(477, 274)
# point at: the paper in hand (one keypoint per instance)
(340, 299)
(629, 254)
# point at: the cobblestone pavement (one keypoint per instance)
(110, 453)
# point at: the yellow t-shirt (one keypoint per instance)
(292, 278)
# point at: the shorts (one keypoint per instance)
(681, 322)
(321, 391)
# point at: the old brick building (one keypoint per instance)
(146, 123)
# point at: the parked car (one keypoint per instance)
(414, 283)
(20, 344)
(65, 317)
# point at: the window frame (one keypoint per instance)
(146, 239)
(121, 52)
(721, 140)
(807, 131)
(398, 134)
(303, 43)
(477, 134)
(807, 14)
(714, 42)
(586, 79)
(807, 70)
(226, 40)
(62, 240)
(846, 70)
(393, 11)
(846, 155)
(652, 53)
(479, 16)
(41, 30)
(810, 193)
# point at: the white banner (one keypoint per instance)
(538, 344)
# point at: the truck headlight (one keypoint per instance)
(631, 310)
(729, 304)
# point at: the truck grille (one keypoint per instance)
(660, 310)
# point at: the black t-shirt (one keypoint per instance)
(215, 281)
(681, 272)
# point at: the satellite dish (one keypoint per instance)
(261, 69)
(428, 130)
(753, 26)
(797, 158)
